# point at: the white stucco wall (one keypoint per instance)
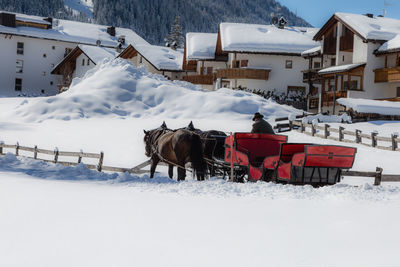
(279, 77)
(36, 68)
(81, 70)
(360, 50)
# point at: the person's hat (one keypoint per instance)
(257, 115)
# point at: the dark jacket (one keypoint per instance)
(261, 126)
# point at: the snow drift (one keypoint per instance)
(119, 89)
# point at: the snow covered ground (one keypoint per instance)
(52, 215)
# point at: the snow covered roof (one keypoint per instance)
(33, 19)
(238, 37)
(313, 51)
(200, 45)
(161, 57)
(341, 68)
(73, 31)
(393, 45)
(97, 54)
(371, 106)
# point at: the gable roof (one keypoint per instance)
(94, 53)
(71, 31)
(200, 46)
(375, 28)
(255, 38)
(160, 57)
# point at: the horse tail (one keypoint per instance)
(196, 157)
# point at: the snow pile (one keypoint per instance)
(119, 89)
(266, 38)
(327, 118)
(371, 106)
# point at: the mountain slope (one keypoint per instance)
(153, 18)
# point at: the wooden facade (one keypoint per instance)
(256, 74)
(387, 75)
(200, 79)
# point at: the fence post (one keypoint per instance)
(35, 152)
(80, 156)
(358, 136)
(1, 147)
(394, 142)
(100, 166)
(302, 127)
(56, 155)
(326, 131)
(373, 139)
(291, 125)
(17, 149)
(378, 176)
(341, 135)
(312, 129)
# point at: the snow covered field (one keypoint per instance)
(52, 215)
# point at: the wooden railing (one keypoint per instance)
(311, 74)
(256, 74)
(387, 75)
(328, 97)
(200, 79)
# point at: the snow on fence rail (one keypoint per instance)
(80, 155)
(341, 131)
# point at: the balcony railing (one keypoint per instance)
(312, 75)
(200, 79)
(256, 74)
(328, 97)
(387, 75)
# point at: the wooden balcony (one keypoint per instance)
(200, 79)
(328, 97)
(311, 75)
(256, 74)
(387, 75)
(190, 65)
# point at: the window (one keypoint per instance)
(20, 48)
(83, 62)
(398, 92)
(343, 58)
(289, 64)
(333, 61)
(53, 47)
(88, 62)
(140, 60)
(44, 55)
(18, 84)
(19, 66)
(353, 85)
(51, 83)
(67, 51)
(42, 91)
(235, 63)
(317, 65)
(244, 63)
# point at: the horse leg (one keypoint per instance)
(181, 172)
(171, 171)
(154, 161)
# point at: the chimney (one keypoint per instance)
(121, 39)
(111, 30)
(369, 15)
(49, 20)
(282, 22)
(7, 19)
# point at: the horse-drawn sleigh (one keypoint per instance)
(247, 156)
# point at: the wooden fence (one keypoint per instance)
(358, 136)
(55, 154)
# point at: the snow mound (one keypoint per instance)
(119, 89)
(213, 187)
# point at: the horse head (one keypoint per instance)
(147, 142)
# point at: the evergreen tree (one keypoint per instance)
(175, 37)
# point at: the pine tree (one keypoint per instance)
(175, 38)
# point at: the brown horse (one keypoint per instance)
(176, 148)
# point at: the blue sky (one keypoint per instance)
(317, 12)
